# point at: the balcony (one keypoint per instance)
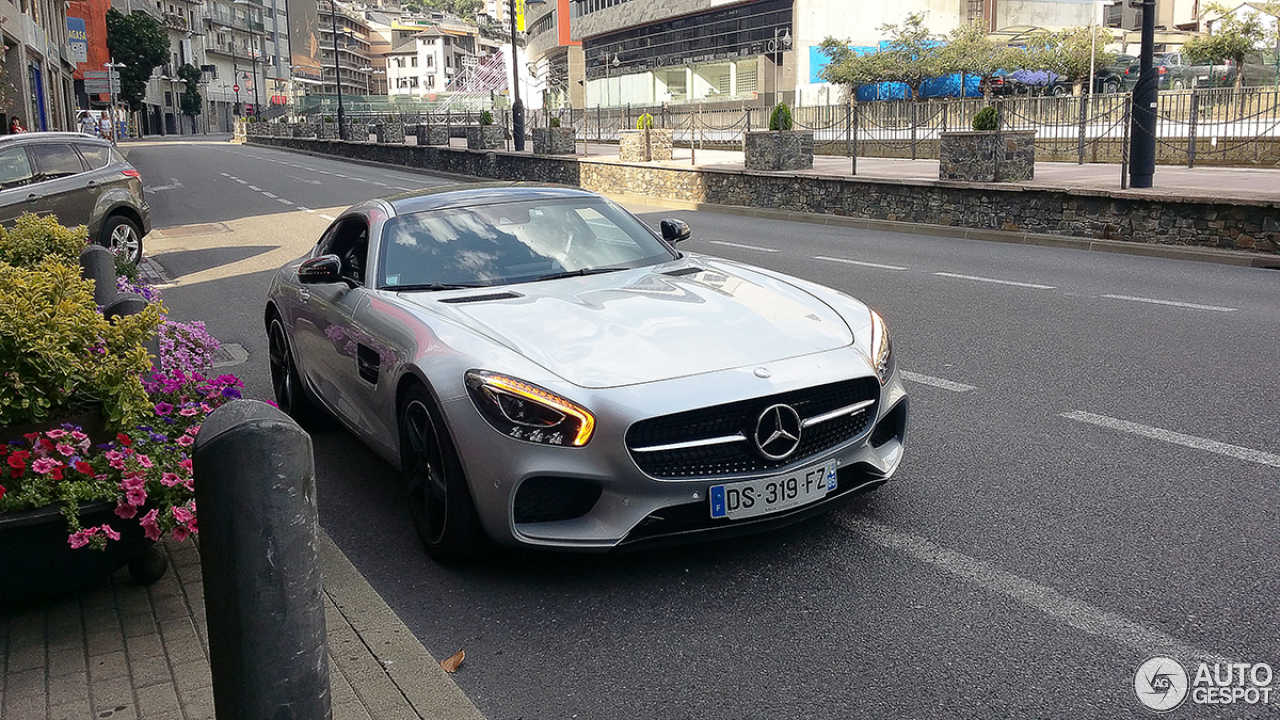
(174, 21)
(214, 19)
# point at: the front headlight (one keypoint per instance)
(527, 412)
(881, 350)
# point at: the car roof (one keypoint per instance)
(38, 136)
(490, 193)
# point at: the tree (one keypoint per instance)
(141, 44)
(191, 100)
(910, 55)
(1234, 35)
(1069, 53)
(969, 51)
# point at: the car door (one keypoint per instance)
(19, 187)
(326, 336)
(66, 191)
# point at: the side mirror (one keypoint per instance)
(320, 270)
(673, 230)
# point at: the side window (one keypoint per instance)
(96, 155)
(349, 240)
(55, 161)
(15, 168)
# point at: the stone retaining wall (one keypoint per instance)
(1110, 215)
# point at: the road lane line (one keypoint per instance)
(255, 188)
(270, 195)
(1175, 438)
(1153, 301)
(937, 382)
(282, 200)
(744, 247)
(242, 182)
(305, 209)
(976, 278)
(327, 217)
(859, 262)
(1066, 610)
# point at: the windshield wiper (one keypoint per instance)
(431, 286)
(576, 273)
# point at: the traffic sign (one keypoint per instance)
(235, 88)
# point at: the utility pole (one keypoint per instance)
(1142, 136)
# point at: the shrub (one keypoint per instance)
(780, 119)
(34, 238)
(486, 117)
(644, 122)
(555, 122)
(328, 118)
(986, 119)
(59, 354)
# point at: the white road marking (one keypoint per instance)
(403, 188)
(270, 195)
(340, 175)
(937, 382)
(224, 175)
(305, 180)
(330, 218)
(1193, 306)
(859, 262)
(744, 247)
(1034, 286)
(305, 209)
(242, 182)
(1066, 610)
(255, 188)
(1175, 438)
(160, 188)
(282, 200)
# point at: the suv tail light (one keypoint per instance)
(131, 173)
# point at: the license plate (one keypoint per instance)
(769, 495)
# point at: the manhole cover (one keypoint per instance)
(230, 354)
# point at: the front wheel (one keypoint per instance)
(1111, 88)
(286, 383)
(440, 503)
(123, 237)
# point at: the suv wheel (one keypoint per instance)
(122, 236)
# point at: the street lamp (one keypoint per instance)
(253, 55)
(517, 107)
(777, 47)
(337, 70)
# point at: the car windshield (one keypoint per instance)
(513, 243)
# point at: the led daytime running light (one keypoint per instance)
(586, 422)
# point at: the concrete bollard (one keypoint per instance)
(99, 265)
(121, 304)
(259, 553)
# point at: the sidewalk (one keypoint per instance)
(126, 652)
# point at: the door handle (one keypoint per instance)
(91, 184)
(33, 197)
(304, 295)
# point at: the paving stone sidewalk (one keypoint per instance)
(124, 652)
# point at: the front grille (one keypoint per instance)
(740, 417)
(547, 499)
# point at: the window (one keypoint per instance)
(431, 61)
(15, 168)
(56, 160)
(96, 155)
(350, 242)
(413, 61)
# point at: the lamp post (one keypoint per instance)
(517, 107)
(781, 41)
(253, 55)
(337, 70)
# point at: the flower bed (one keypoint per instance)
(59, 356)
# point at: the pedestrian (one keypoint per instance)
(15, 126)
(88, 125)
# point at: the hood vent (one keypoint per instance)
(684, 271)
(480, 298)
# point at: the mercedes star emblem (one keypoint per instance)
(777, 432)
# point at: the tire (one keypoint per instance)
(122, 236)
(286, 384)
(1111, 88)
(1057, 91)
(440, 503)
(1177, 85)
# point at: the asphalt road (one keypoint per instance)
(1090, 481)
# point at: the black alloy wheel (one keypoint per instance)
(286, 384)
(440, 504)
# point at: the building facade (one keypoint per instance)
(554, 56)
(37, 63)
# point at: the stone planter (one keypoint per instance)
(304, 130)
(987, 156)
(433, 135)
(778, 150)
(389, 133)
(39, 564)
(486, 137)
(554, 141)
(326, 131)
(644, 145)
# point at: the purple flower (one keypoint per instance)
(163, 408)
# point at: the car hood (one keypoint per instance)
(649, 324)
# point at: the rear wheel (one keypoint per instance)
(122, 236)
(1111, 87)
(440, 503)
(286, 383)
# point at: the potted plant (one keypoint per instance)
(645, 142)
(554, 140)
(485, 135)
(433, 134)
(780, 147)
(94, 449)
(389, 130)
(988, 153)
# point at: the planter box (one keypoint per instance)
(433, 135)
(554, 141)
(303, 130)
(390, 133)
(39, 564)
(327, 131)
(644, 145)
(486, 137)
(778, 150)
(987, 156)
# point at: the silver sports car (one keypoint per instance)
(547, 370)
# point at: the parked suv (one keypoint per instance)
(1172, 70)
(79, 179)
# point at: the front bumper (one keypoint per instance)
(630, 508)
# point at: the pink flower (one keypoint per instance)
(110, 531)
(188, 412)
(169, 479)
(182, 515)
(79, 436)
(186, 440)
(56, 434)
(125, 510)
(81, 538)
(149, 526)
(180, 533)
(45, 465)
(185, 465)
(144, 460)
(66, 450)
